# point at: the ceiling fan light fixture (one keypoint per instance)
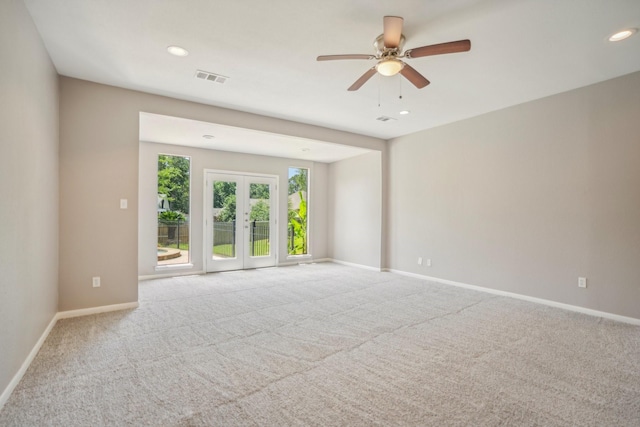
(624, 34)
(389, 67)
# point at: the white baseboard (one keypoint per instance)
(34, 351)
(303, 261)
(95, 310)
(578, 309)
(322, 260)
(175, 273)
(27, 362)
(352, 264)
(287, 263)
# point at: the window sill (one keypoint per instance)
(173, 267)
(299, 257)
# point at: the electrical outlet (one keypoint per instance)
(419, 260)
(123, 203)
(96, 282)
(429, 262)
(582, 282)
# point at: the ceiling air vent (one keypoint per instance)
(212, 77)
(385, 118)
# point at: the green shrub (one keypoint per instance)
(171, 216)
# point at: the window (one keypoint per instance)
(174, 173)
(297, 233)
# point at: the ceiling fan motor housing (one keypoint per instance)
(381, 50)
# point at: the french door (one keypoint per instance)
(240, 221)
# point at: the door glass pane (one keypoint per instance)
(173, 209)
(259, 200)
(224, 219)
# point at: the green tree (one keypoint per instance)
(260, 211)
(298, 181)
(259, 191)
(173, 181)
(222, 190)
(228, 211)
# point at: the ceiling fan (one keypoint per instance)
(389, 53)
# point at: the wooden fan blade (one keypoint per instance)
(354, 56)
(392, 31)
(363, 79)
(439, 49)
(414, 77)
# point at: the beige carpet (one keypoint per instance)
(327, 345)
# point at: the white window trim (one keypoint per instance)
(162, 267)
(309, 215)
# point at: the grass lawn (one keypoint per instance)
(223, 250)
(262, 248)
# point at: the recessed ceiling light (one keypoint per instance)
(208, 136)
(177, 51)
(621, 35)
(404, 112)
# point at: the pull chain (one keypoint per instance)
(379, 84)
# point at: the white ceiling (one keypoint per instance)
(179, 131)
(521, 50)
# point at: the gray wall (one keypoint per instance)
(29, 190)
(99, 142)
(528, 198)
(355, 210)
(210, 159)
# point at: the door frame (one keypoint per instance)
(275, 241)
